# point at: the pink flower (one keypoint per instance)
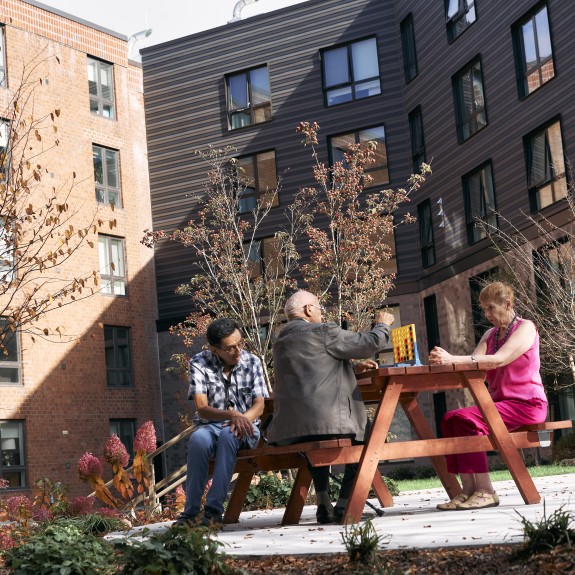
(89, 467)
(18, 507)
(115, 452)
(81, 506)
(145, 440)
(109, 512)
(4, 483)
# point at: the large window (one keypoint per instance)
(408, 48)
(426, 234)
(546, 177)
(263, 258)
(417, 139)
(459, 14)
(431, 321)
(249, 98)
(257, 181)
(4, 149)
(2, 57)
(125, 429)
(469, 99)
(479, 203)
(476, 284)
(12, 459)
(117, 346)
(533, 51)
(112, 265)
(101, 86)
(341, 144)
(107, 175)
(351, 72)
(9, 353)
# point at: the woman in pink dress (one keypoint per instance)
(511, 348)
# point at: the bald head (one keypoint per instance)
(305, 305)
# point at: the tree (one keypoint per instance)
(233, 275)
(351, 234)
(41, 231)
(539, 262)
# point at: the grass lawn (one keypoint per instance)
(500, 475)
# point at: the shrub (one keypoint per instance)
(564, 448)
(61, 550)
(93, 523)
(268, 492)
(362, 541)
(178, 550)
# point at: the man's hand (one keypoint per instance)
(240, 425)
(366, 365)
(383, 316)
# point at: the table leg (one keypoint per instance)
(419, 423)
(381, 491)
(372, 452)
(502, 440)
(237, 498)
(297, 496)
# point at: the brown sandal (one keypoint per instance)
(454, 504)
(480, 500)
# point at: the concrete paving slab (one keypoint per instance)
(413, 522)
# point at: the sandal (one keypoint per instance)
(480, 500)
(454, 504)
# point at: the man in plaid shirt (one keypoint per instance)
(228, 387)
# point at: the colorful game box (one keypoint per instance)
(405, 345)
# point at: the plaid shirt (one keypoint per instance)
(207, 378)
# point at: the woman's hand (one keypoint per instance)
(438, 356)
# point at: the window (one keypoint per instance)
(125, 429)
(249, 98)
(339, 145)
(7, 262)
(417, 140)
(264, 257)
(112, 265)
(533, 51)
(351, 72)
(426, 234)
(106, 175)
(257, 181)
(431, 322)
(12, 460)
(117, 346)
(476, 284)
(479, 197)
(101, 86)
(9, 354)
(460, 14)
(408, 48)
(2, 57)
(546, 177)
(4, 150)
(470, 111)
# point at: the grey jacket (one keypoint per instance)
(315, 389)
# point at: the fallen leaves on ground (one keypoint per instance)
(489, 560)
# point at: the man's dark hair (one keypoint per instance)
(220, 329)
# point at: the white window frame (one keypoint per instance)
(112, 270)
(100, 104)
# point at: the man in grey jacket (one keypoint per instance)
(315, 390)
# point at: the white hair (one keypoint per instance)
(297, 301)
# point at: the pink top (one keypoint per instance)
(520, 379)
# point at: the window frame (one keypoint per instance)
(105, 188)
(113, 277)
(352, 83)
(255, 251)
(452, 22)
(371, 168)
(465, 78)
(534, 189)
(417, 137)
(522, 70)
(3, 67)
(113, 370)
(258, 193)
(21, 468)
(408, 48)
(5, 151)
(11, 364)
(99, 99)
(426, 233)
(487, 213)
(250, 108)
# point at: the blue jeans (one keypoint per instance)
(207, 441)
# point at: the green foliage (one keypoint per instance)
(564, 448)
(409, 472)
(270, 492)
(362, 541)
(93, 523)
(548, 532)
(334, 487)
(61, 550)
(180, 550)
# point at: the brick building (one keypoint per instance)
(61, 399)
(477, 88)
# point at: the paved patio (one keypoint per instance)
(412, 522)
